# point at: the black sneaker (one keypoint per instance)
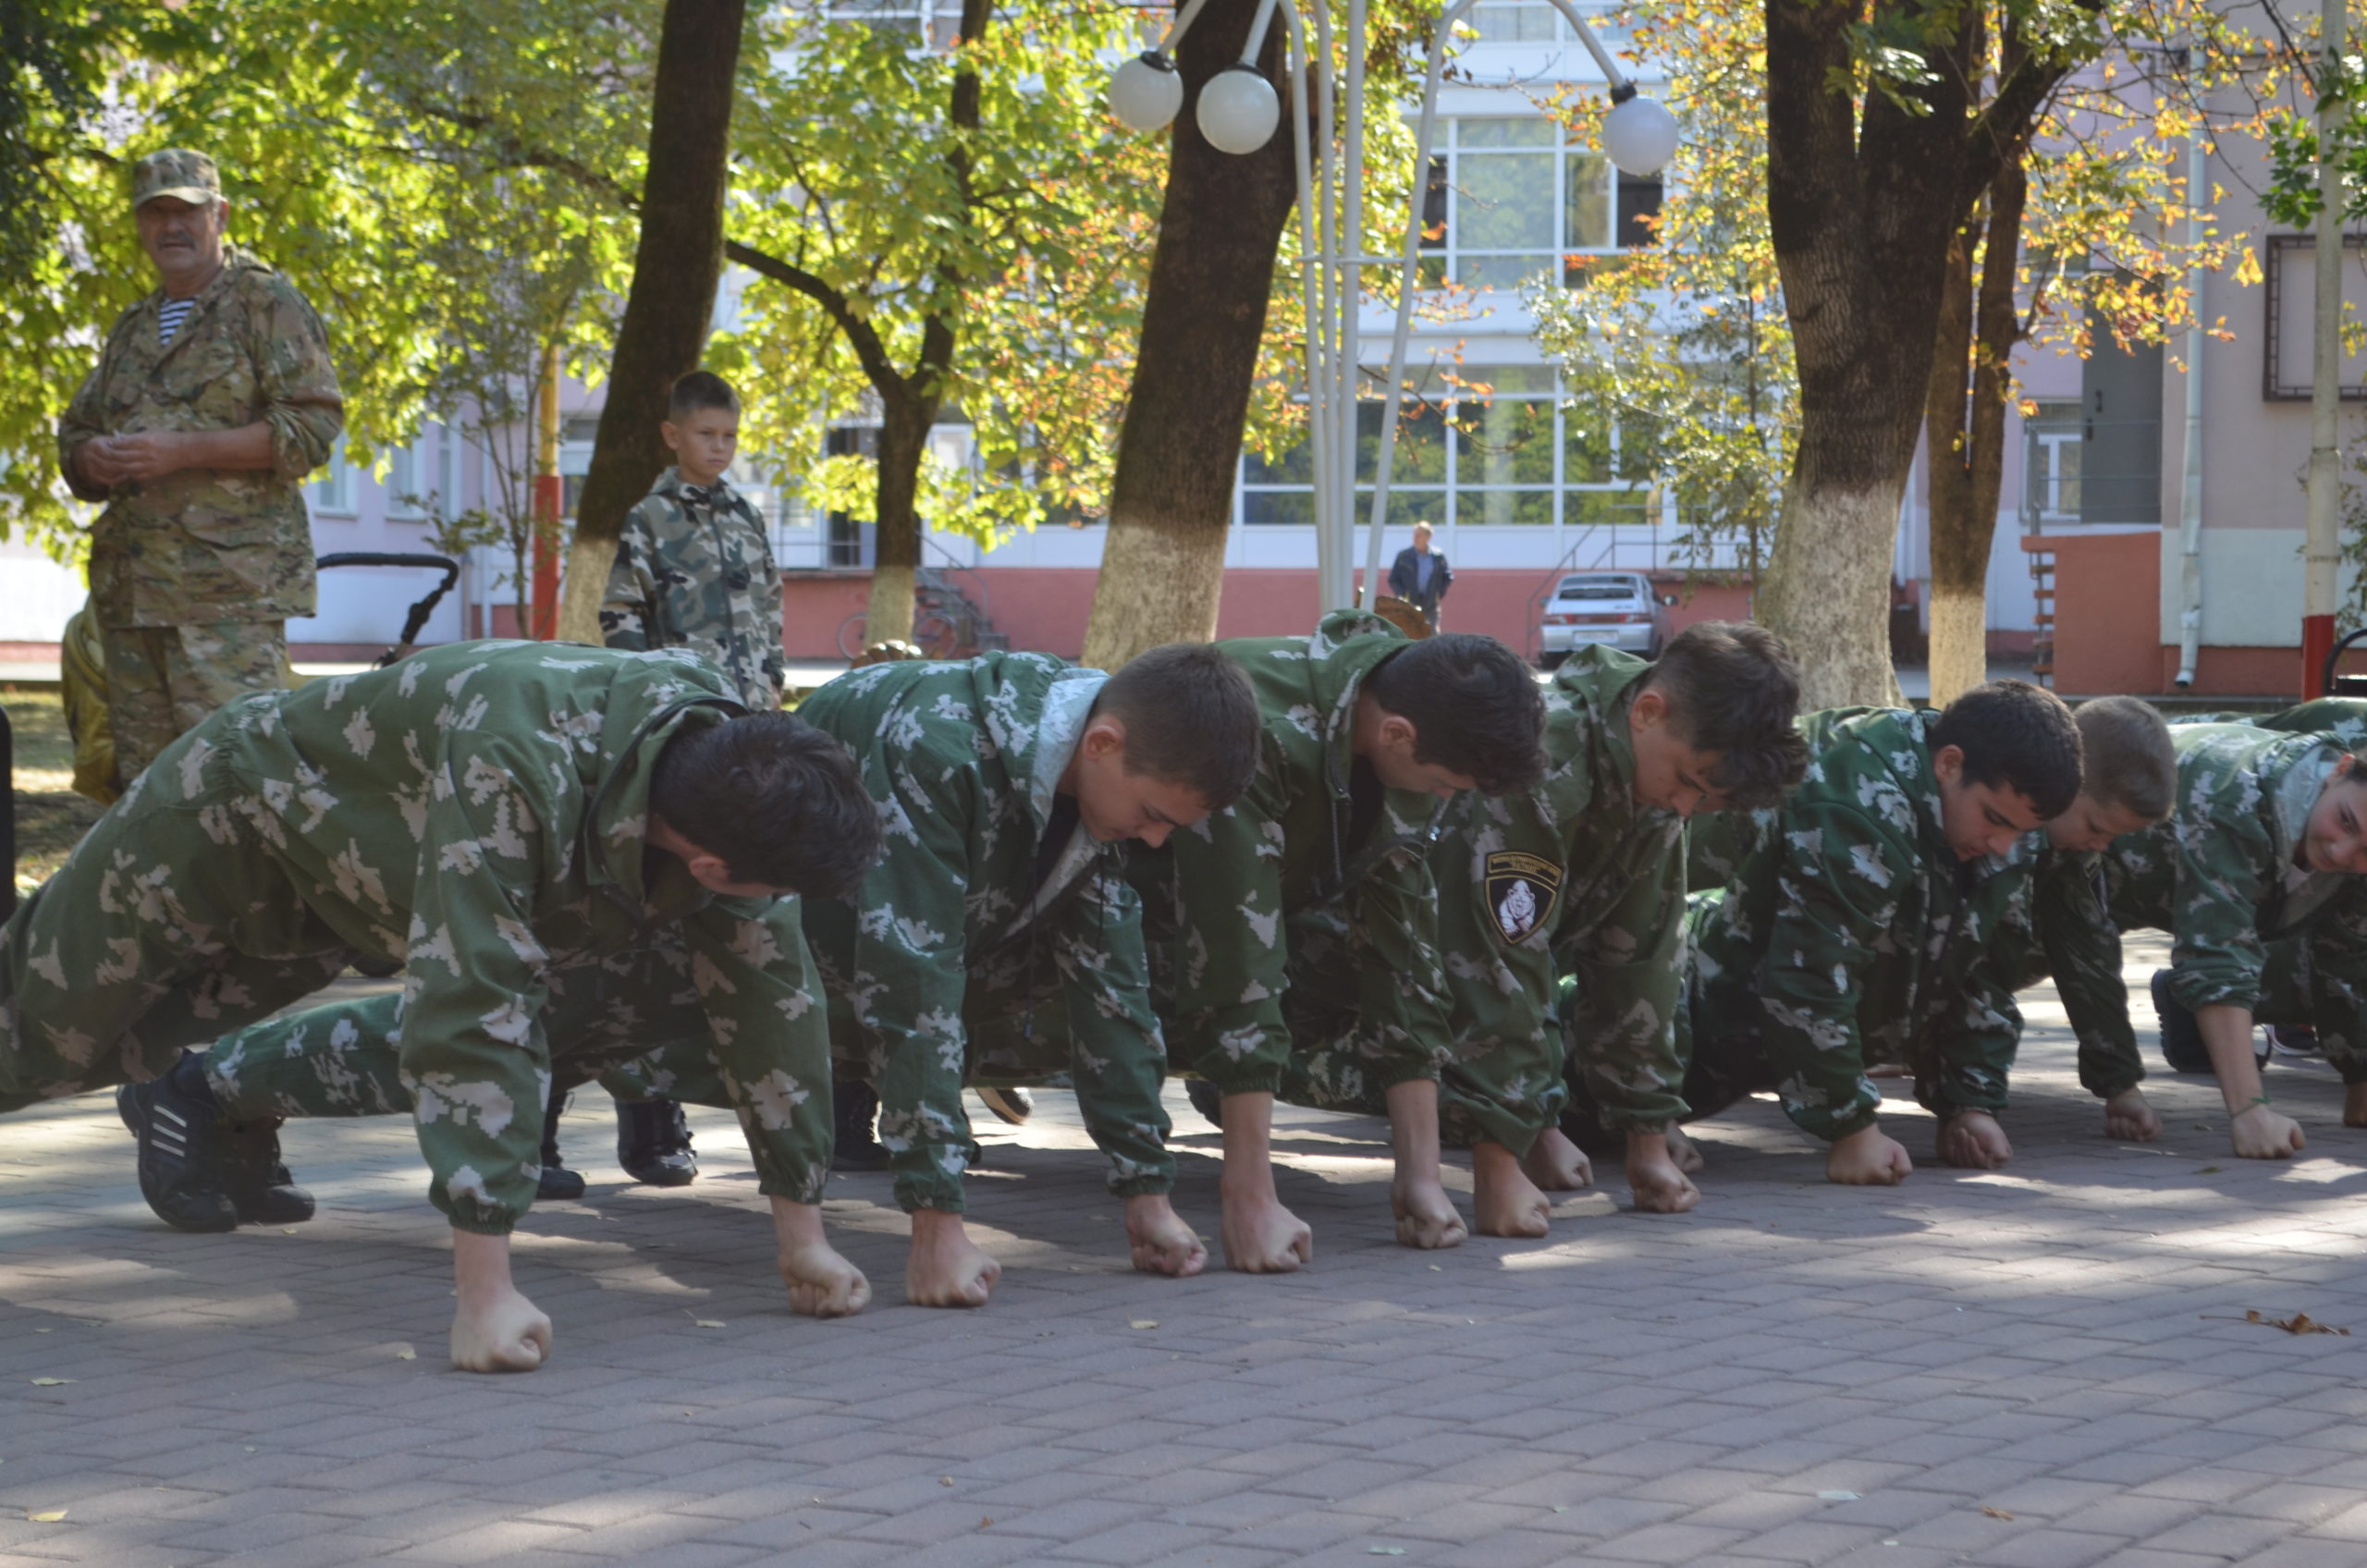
(852, 1108)
(260, 1187)
(557, 1183)
(177, 1122)
(1206, 1100)
(653, 1143)
(1010, 1106)
(2182, 1045)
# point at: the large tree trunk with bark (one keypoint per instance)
(903, 442)
(1967, 437)
(1204, 318)
(677, 265)
(1864, 200)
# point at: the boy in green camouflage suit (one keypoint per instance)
(1570, 899)
(1863, 927)
(2258, 877)
(997, 941)
(1298, 930)
(693, 570)
(507, 820)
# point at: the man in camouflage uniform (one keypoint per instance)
(213, 399)
(1578, 884)
(693, 570)
(2258, 876)
(1298, 930)
(997, 942)
(483, 815)
(1862, 928)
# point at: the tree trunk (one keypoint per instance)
(676, 267)
(1204, 318)
(1960, 635)
(1862, 204)
(904, 440)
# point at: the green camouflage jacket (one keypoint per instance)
(207, 544)
(695, 570)
(1575, 878)
(1854, 934)
(962, 759)
(1236, 880)
(2219, 876)
(2341, 718)
(478, 812)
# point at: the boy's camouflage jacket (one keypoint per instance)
(1575, 877)
(1853, 934)
(1233, 882)
(2219, 876)
(479, 812)
(962, 759)
(209, 545)
(695, 570)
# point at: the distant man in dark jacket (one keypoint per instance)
(1421, 576)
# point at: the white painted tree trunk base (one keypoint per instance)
(1827, 594)
(888, 618)
(1959, 643)
(1157, 585)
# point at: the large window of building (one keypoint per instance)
(1496, 446)
(1533, 21)
(1511, 200)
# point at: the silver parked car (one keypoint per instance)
(1619, 609)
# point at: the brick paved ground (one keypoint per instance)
(2028, 1369)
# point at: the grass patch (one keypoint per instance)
(50, 819)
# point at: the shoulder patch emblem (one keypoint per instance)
(1522, 891)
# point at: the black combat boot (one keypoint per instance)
(653, 1143)
(178, 1123)
(260, 1187)
(556, 1181)
(1010, 1106)
(853, 1108)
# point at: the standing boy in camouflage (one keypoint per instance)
(2260, 877)
(1864, 927)
(1584, 877)
(509, 821)
(693, 570)
(1301, 923)
(213, 399)
(997, 939)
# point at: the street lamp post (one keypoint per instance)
(1238, 112)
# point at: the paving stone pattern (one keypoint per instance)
(2044, 1368)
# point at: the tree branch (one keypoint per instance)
(869, 351)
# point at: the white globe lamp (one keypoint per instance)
(1238, 110)
(1147, 93)
(1638, 134)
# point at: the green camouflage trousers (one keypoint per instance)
(1494, 1088)
(162, 679)
(121, 960)
(347, 1058)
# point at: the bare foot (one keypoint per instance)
(1262, 1236)
(1972, 1140)
(1504, 1202)
(1160, 1239)
(1556, 1164)
(1685, 1151)
(822, 1283)
(2354, 1106)
(1426, 1216)
(2259, 1133)
(2129, 1115)
(945, 1267)
(494, 1327)
(1654, 1177)
(1867, 1158)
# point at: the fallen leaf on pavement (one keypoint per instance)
(52, 1517)
(1144, 1323)
(2299, 1323)
(1994, 1513)
(51, 1382)
(404, 1352)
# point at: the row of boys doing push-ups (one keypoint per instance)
(1344, 869)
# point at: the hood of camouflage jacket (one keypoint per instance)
(1589, 755)
(669, 690)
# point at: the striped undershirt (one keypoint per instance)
(169, 316)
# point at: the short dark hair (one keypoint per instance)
(700, 389)
(1191, 718)
(1733, 692)
(2126, 756)
(2017, 735)
(1474, 705)
(778, 798)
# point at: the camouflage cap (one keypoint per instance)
(176, 172)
